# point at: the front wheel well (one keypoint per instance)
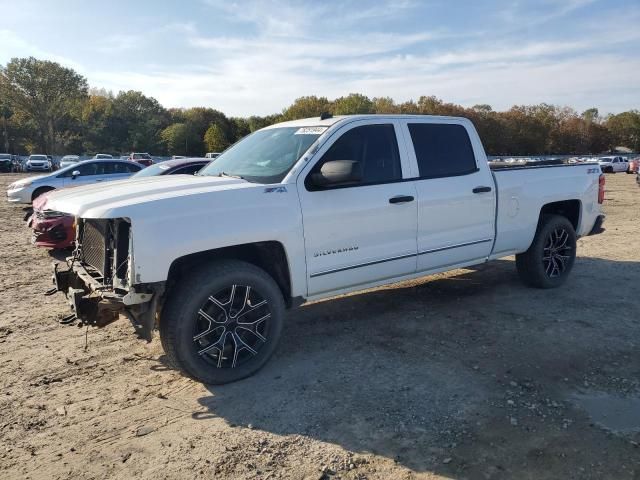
(570, 209)
(39, 191)
(270, 256)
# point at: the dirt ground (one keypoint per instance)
(463, 375)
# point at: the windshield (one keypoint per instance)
(141, 155)
(265, 156)
(103, 155)
(38, 157)
(152, 171)
(70, 159)
(5, 156)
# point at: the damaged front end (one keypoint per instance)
(98, 281)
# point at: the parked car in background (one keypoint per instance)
(38, 163)
(613, 164)
(82, 173)
(69, 160)
(55, 164)
(6, 162)
(177, 157)
(102, 156)
(142, 158)
(212, 155)
(307, 210)
(634, 165)
(53, 229)
(186, 166)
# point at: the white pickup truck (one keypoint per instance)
(613, 164)
(305, 210)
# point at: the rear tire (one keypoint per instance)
(223, 322)
(551, 256)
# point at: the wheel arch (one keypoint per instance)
(570, 209)
(270, 256)
(40, 190)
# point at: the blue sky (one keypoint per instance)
(256, 57)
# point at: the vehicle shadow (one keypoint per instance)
(412, 371)
(60, 254)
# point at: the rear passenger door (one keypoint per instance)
(119, 170)
(456, 198)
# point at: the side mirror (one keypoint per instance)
(75, 173)
(337, 172)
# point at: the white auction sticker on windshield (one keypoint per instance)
(310, 130)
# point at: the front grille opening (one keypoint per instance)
(94, 245)
(122, 249)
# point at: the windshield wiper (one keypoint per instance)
(224, 174)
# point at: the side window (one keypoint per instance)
(188, 170)
(84, 169)
(442, 150)
(131, 167)
(374, 147)
(119, 168)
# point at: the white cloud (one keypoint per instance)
(267, 53)
(13, 45)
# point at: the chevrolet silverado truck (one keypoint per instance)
(304, 210)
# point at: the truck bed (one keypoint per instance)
(522, 190)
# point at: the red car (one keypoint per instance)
(50, 229)
(57, 230)
(141, 158)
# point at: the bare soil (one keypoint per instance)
(463, 375)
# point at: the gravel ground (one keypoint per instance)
(468, 374)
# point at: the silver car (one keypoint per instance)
(38, 163)
(81, 173)
(69, 160)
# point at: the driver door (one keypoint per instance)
(363, 232)
(89, 173)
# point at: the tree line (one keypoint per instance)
(48, 108)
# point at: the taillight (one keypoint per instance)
(601, 189)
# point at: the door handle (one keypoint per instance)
(481, 189)
(401, 199)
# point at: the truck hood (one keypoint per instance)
(112, 199)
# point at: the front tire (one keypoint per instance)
(223, 322)
(551, 256)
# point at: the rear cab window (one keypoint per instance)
(442, 149)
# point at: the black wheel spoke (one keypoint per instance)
(231, 327)
(556, 253)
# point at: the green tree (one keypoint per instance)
(306, 107)
(385, 105)
(47, 94)
(180, 139)
(625, 129)
(97, 120)
(214, 139)
(591, 115)
(136, 122)
(352, 104)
